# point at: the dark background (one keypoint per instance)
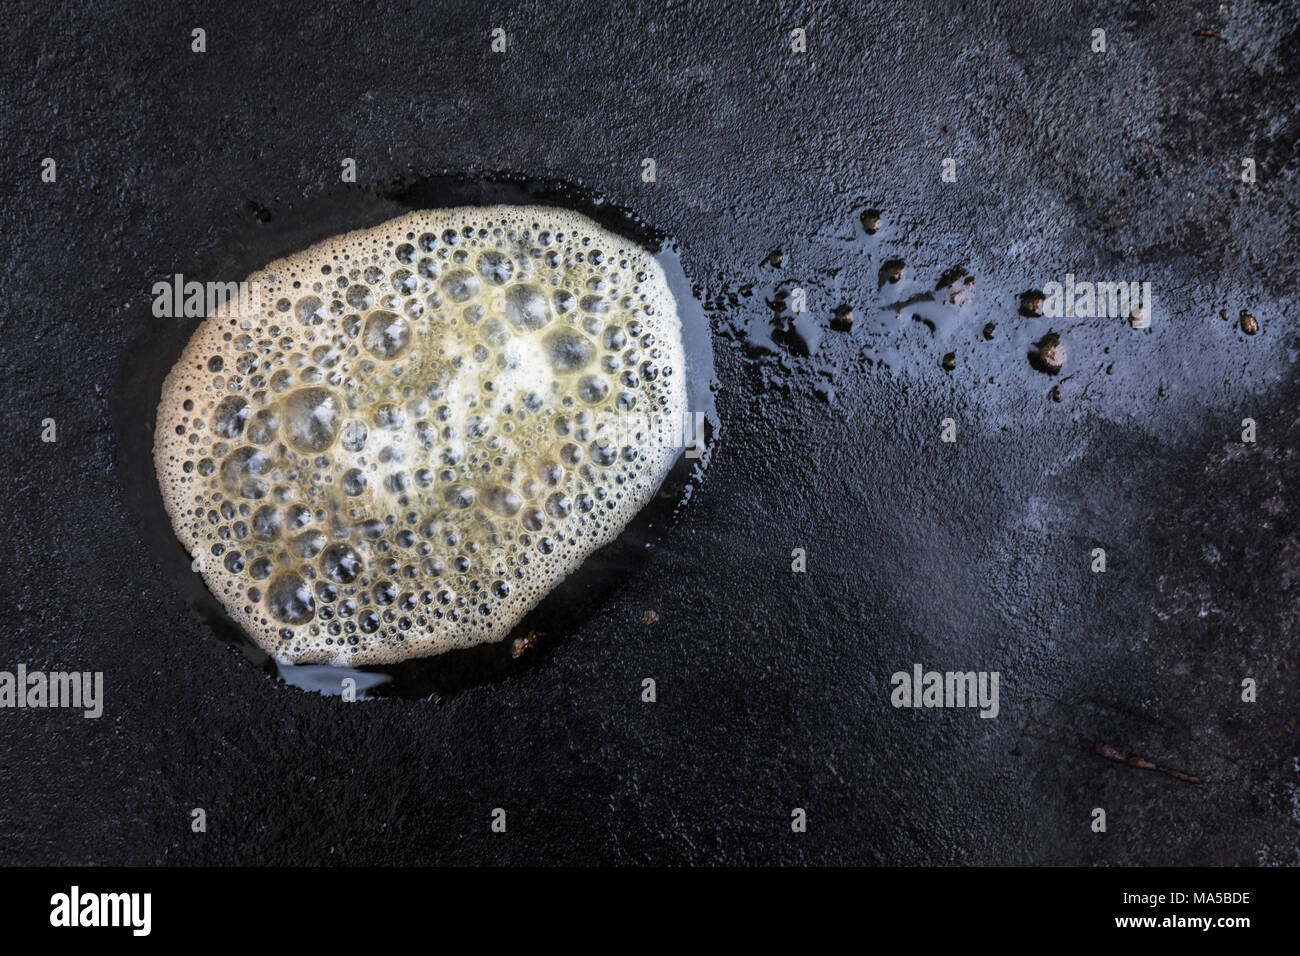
(773, 687)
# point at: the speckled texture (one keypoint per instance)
(773, 687)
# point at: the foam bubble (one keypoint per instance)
(423, 431)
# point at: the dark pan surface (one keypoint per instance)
(773, 687)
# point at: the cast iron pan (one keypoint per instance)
(774, 686)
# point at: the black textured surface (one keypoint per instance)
(773, 687)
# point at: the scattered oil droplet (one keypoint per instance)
(891, 272)
(1031, 303)
(958, 287)
(1051, 355)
